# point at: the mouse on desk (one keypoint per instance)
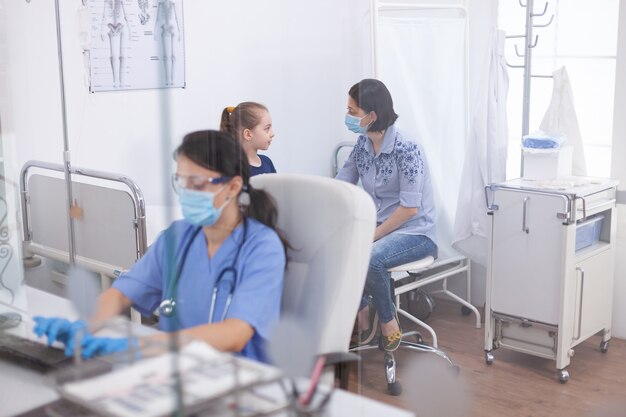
(9, 320)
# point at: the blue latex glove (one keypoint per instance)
(58, 329)
(99, 346)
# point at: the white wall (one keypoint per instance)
(298, 58)
(618, 171)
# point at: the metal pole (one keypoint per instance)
(527, 76)
(66, 145)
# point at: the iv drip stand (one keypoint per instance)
(67, 166)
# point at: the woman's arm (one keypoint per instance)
(230, 335)
(397, 219)
(349, 171)
(111, 303)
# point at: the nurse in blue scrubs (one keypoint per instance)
(215, 276)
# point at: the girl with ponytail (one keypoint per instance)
(251, 124)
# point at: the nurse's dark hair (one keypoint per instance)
(220, 152)
(372, 95)
(246, 115)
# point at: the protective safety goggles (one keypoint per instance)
(196, 182)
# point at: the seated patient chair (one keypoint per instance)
(329, 225)
(407, 279)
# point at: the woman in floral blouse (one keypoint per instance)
(393, 170)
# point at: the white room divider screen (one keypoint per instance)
(420, 53)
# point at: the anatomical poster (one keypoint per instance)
(135, 44)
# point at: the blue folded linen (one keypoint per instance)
(541, 143)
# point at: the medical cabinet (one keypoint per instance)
(550, 266)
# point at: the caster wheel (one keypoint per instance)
(420, 304)
(563, 376)
(394, 389)
(390, 368)
(419, 338)
(465, 311)
(489, 358)
(604, 346)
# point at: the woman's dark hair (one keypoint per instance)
(246, 115)
(372, 95)
(220, 152)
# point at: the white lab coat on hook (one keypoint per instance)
(560, 119)
(486, 153)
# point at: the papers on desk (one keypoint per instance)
(147, 389)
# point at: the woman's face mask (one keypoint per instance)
(353, 123)
(198, 206)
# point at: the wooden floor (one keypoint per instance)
(515, 385)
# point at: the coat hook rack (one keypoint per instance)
(530, 42)
(546, 24)
(545, 9)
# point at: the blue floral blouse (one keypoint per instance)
(397, 176)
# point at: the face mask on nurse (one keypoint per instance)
(353, 124)
(198, 207)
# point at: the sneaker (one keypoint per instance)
(392, 342)
(366, 336)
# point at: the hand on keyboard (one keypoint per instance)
(97, 346)
(62, 330)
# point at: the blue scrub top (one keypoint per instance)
(259, 282)
(266, 167)
(397, 176)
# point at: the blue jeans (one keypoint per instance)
(392, 250)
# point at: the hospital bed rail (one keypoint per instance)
(104, 268)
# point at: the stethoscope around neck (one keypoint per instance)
(168, 305)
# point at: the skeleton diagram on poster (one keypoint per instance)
(136, 44)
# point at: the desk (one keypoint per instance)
(23, 389)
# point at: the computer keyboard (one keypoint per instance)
(64, 408)
(27, 350)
